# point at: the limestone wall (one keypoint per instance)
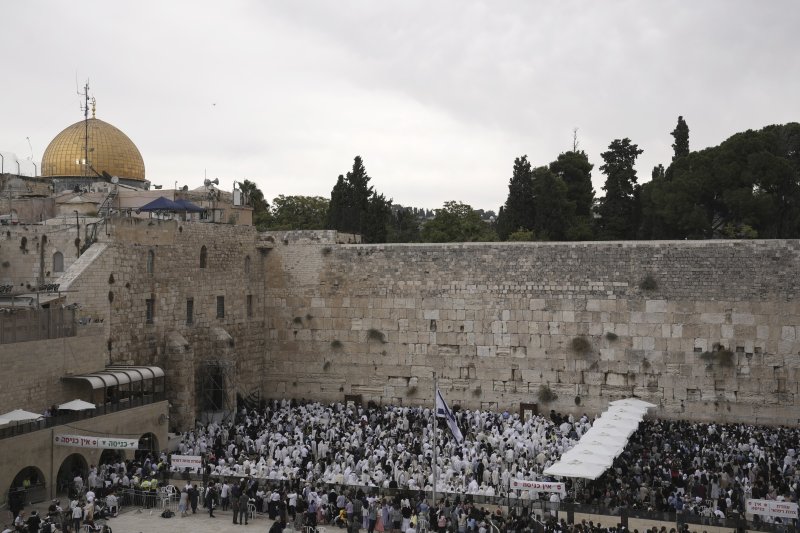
(26, 254)
(169, 341)
(499, 321)
(32, 371)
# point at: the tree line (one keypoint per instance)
(747, 187)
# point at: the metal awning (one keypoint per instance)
(114, 376)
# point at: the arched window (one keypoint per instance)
(151, 261)
(247, 264)
(58, 262)
(203, 257)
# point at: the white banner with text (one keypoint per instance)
(771, 508)
(180, 462)
(539, 486)
(85, 441)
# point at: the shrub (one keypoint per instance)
(326, 250)
(376, 335)
(577, 400)
(326, 365)
(336, 344)
(719, 354)
(580, 345)
(611, 336)
(309, 316)
(477, 392)
(297, 320)
(412, 390)
(648, 283)
(546, 394)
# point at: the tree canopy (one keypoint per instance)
(355, 207)
(457, 222)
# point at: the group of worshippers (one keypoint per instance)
(702, 469)
(383, 447)
(669, 466)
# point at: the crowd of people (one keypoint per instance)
(311, 463)
(668, 466)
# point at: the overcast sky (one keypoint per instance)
(438, 97)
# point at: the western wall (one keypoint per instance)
(708, 330)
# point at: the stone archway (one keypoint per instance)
(28, 486)
(109, 456)
(72, 466)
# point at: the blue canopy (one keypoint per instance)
(161, 204)
(186, 205)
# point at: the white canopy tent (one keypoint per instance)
(76, 405)
(607, 438)
(19, 415)
(576, 468)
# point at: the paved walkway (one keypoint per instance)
(144, 522)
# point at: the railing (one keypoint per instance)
(15, 429)
(536, 510)
(23, 325)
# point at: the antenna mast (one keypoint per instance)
(85, 108)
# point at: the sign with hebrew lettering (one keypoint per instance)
(88, 441)
(181, 462)
(539, 486)
(772, 508)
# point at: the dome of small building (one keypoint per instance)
(110, 151)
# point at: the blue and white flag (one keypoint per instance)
(443, 411)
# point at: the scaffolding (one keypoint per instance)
(216, 378)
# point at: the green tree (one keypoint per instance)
(404, 226)
(518, 211)
(681, 135)
(298, 212)
(619, 209)
(255, 199)
(356, 208)
(748, 186)
(555, 213)
(457, 222)
(575, 171)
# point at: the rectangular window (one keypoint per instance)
(249, 306)
(150, 310)
(220, 307)
(189, 311)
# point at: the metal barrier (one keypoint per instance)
(545, 508)
(14, 429)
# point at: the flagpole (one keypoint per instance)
(435, 425)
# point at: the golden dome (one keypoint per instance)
(110, 150)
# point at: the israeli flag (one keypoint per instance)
(443, 411)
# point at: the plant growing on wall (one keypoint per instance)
(546, 394)
(611, 336)
(297, 320)
(336, 344)
(719, 354)
(648, 283)
(326, 365)
(580, 345)
(376, 335)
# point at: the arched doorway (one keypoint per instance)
(73, 466)
(28, 486)
(110, 457)
(148, 445)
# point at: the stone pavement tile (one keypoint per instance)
(144, 522)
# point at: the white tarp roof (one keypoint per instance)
(19, 415)
(76, 405)
(598, 447)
